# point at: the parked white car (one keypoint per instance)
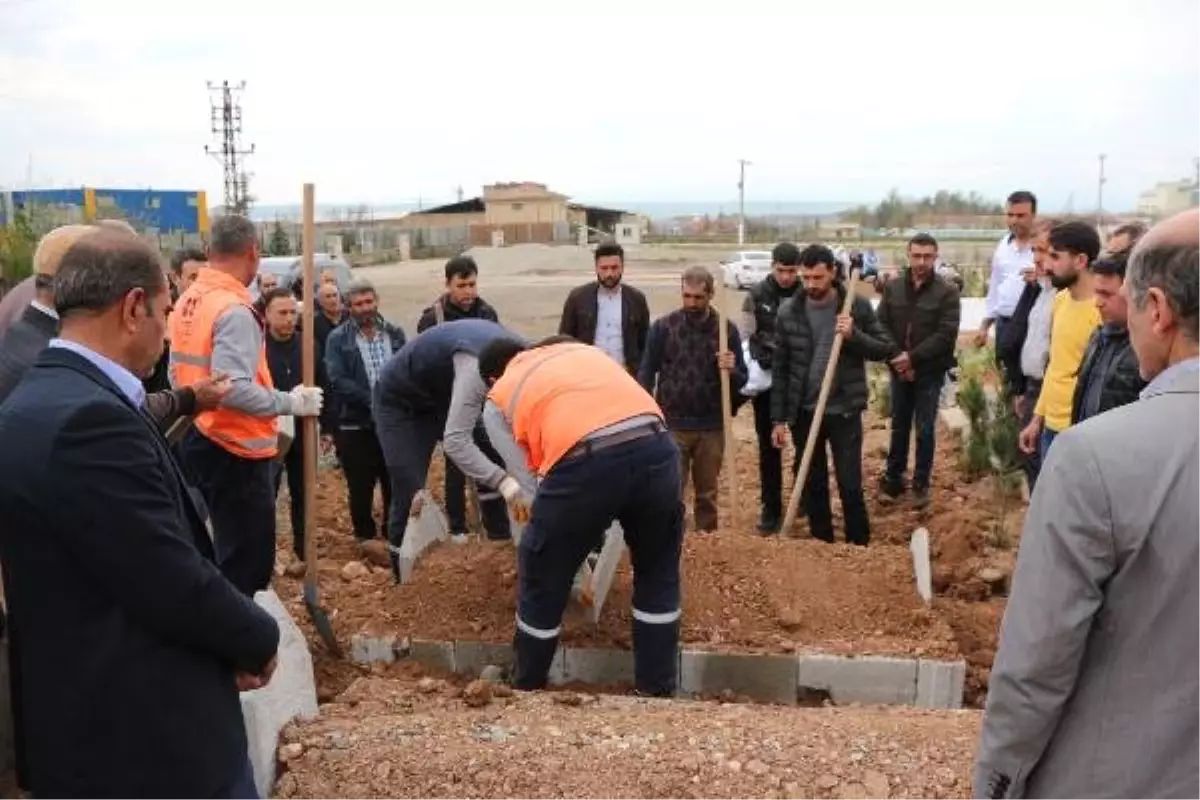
(745, 268)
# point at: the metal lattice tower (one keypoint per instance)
(226, 115)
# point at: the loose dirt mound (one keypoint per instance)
(741, 592)
(407, 738)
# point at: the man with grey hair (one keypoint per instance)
(108, 565)
(355, 353)
(1095, 692)
(229, 452)
(682, 369)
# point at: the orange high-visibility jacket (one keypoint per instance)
(555, 396)
(191, 328)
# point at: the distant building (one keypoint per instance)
(1167, 198)
(515, 213)
(152, 212)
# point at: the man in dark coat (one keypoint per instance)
(133, 645)
(609, 313)
(1109, 372)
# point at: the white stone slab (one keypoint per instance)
(291, 693)
(606, 569)
(919, 546)
(429, 526)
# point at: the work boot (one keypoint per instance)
(889, 489)
(769, 522)
(921, 497)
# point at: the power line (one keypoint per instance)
(226, 119)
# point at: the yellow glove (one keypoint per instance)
(518, 503)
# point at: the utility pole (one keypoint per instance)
(226, 119)
(1100, 195)
(459, 192)
(742, 164)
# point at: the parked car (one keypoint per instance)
(745, 268)
(290, 268)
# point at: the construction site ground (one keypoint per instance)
(404, 730)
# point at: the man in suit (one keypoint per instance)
(1094, 692)
(608, 313)
(134, 647)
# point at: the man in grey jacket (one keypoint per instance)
(1094, 692)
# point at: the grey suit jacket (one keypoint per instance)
(1094, 690)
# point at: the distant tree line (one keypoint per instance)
(895, 211)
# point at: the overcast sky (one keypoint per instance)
(609, 102)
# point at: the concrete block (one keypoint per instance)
(868, 679)
(940, 683)
(606, 569)
(767, 678)
(471, 657)
(291, 693)
(370, 649)
(429, 526)
(597, 665)
(439, 655)
(922, 569)
(955, 419)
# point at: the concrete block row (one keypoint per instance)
(780, 679)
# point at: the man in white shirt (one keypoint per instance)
(1011, 265)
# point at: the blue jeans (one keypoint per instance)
(914, 402)
(1044, 443)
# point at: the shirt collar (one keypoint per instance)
(45, 309)
(1163, 380)
(129, 384)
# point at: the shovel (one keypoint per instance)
(835, 353)
(312, 600)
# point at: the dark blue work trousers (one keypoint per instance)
(636, 483)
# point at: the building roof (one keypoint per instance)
(472, 206)
(596, 209)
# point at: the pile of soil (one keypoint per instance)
(742, 592)
(403, 737)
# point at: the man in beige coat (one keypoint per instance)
(1094, 692)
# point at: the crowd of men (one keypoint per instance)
(189, 442)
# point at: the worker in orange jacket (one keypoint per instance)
(230, 452)
(597, 444)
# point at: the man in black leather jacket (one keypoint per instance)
(1108, 373)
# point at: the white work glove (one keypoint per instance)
(306, 401)
(518, 503)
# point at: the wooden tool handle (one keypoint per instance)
(789, 518)
(309, 376)
(730, 465)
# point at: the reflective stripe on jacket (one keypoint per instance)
(191, 327)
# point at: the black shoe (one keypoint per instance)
(769, 524)
(921, 497)
(890, 490)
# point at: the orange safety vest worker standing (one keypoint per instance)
(597, 443)
(229, 455)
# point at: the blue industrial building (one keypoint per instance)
(151, 211)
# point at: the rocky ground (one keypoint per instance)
(399, 735)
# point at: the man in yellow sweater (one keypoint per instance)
(1073, 247)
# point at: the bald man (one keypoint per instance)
(1094, 692)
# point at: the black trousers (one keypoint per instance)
(362, 464)
(456, 498)
(293, 465)
(770, 459)
(914, 403)
(408, 438)
(241, 504)
(640, 481)
(843, 435)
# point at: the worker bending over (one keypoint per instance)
(430, 390)
(601, 451)
(228, 453)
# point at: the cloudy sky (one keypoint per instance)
(649, 101)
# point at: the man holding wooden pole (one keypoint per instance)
(683, 368)
(810, 325)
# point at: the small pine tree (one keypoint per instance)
(280, 244)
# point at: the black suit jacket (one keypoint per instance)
(582, 308)
(129, 634)
(27, 337)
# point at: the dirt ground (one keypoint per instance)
(394, 734)
(741, 592)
